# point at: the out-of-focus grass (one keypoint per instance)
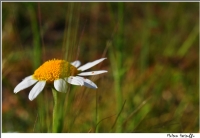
(116, 57)
(157, 55)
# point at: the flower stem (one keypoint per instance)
(55, 111)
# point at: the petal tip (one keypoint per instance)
(30, 98)
(15, 91)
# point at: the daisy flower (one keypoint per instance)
(59, 72)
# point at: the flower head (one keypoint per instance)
(59, 72)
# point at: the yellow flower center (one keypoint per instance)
(55, 69)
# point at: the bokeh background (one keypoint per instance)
(152, 51)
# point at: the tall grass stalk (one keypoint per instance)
(69, 30)
(70, 34)
(116, 56)
(36, 35)
(188, 42)
(70, 49)
(145, 35)
(36, 60)
(97, 114)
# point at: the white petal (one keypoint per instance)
(76, 63)
(92, 73)
(60, 85)
(27, 82)
(75, 80)
(88, 83)
(36, 90)
(90, 64)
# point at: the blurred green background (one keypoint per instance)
(152, 51)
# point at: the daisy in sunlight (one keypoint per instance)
(59, 72)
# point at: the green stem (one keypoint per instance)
(55, 111)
